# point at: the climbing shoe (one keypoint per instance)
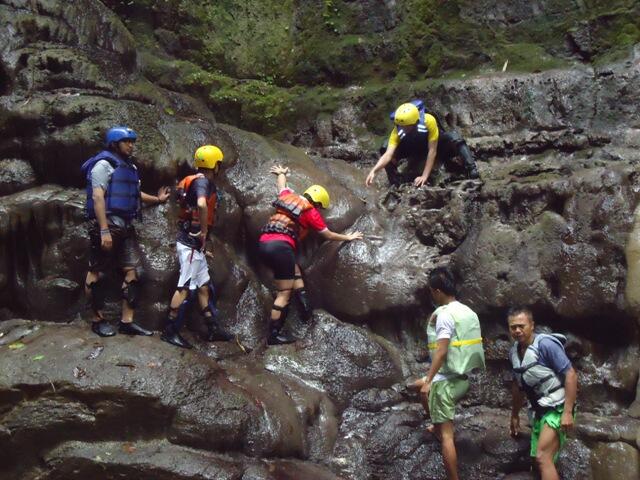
(469, 161)
(174, 338)
(133, 329)
(103, 328)
(472, 172)
(278, 338)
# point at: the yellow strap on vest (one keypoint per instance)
(457, 343)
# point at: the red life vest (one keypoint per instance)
(286, 220)
(190, 213)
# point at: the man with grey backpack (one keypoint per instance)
(542, 374)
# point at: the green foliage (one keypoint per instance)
(254, 105)
(524, 57)
(264, 64)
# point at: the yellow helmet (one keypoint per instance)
(318, 194)
(406, 114)
(208, 156)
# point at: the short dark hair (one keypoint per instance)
(442, 279)
(519, 309)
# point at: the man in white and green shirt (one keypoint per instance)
(455, 343)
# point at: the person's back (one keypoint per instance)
(189, 190)
(455, 344)
(197, 199)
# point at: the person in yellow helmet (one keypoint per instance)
(295, 215)
(419, 137)
(197, 198)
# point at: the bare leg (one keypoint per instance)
(127, 311)
(445, 432)
(215, 331)
(548, 446)
(179, 296)
(279, 313)
(130, 292)
(203, 300)
(92, 277)
(282, 298)
(298, 282)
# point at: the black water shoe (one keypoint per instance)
(277, 338)
(174, 338)
(133, 329)
(103, 328)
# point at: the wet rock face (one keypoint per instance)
(615, 460)
(511, 13)
(139, 388)
(15, 175)
(551, 225)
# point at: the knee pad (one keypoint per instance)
(97, 295)
(131, 292)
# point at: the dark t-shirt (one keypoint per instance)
(553, 356)
(200, 187)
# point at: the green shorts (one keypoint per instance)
(551, 418)
(443, 397)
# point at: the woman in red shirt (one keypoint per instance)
(295, 215)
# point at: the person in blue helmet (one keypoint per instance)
(113, 202)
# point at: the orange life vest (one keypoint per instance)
(190, 213)
(286, 220)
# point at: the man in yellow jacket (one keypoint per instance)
(455, 343)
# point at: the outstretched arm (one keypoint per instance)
(281, 176)
(339, 237)
(384, 160)
(161, 197)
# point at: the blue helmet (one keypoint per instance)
(117, 134)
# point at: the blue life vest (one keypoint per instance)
(122, 197)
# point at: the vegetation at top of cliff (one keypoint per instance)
(260, 63)
(312, 42)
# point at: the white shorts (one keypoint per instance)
(193, 267)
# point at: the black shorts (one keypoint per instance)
(280, 257)
(123, 254)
